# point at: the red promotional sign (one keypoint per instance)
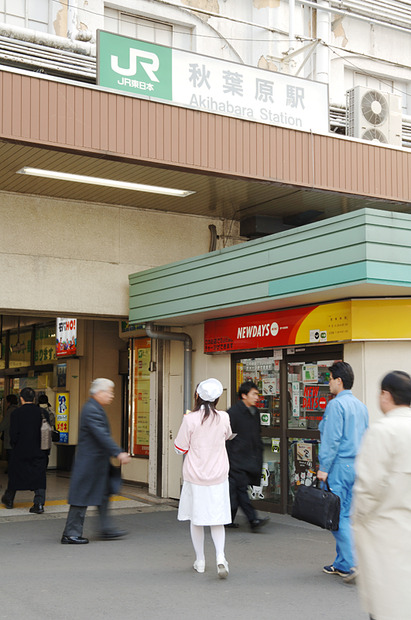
(322, 403)
(269, 329)
(66, 337)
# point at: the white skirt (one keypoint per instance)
(205, 505)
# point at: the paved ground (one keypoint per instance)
(274, 574)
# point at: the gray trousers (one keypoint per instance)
(77, 514)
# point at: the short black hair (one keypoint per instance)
(43, 400)
(11, 399)
(28, 394)
(343, 371)
(398, 384)
(246, 387)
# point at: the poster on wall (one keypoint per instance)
(141, 397)
(66, 337)
(62, 415)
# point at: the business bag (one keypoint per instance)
(319, 506)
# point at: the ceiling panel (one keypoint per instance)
(215, 196)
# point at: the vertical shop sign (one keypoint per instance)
(62, 415)
(66, 337)
(141, 397)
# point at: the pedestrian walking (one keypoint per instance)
(245, 453)
(342, 428)
(28, 462)
(90, 479)
(12, 404)
(382, 505)
(205, 498)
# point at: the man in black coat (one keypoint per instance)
(28, 462)
(90, 479)
(245, 453)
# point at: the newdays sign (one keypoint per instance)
(209, 84)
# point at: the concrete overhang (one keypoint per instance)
(236, 168)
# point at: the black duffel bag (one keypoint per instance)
(319, 506)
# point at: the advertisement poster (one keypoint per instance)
(141, 397)
(269, 386)
(62, 415)
(66, 337)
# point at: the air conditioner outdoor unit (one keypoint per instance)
(374, 115)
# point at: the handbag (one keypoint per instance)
(319, 506)
(55, 435)
(114, 477)
(45, 433)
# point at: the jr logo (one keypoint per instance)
(150, 66)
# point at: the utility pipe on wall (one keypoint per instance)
(323, 34)
(188, 354)
(291, 22)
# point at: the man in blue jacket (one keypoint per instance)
(342, 428)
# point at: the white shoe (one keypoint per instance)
(222, 567)
(199, 566)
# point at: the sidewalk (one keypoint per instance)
(274, 574)
(132, 498)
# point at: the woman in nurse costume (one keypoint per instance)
(205, 496)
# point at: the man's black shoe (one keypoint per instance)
(38, 509)
(73, 540)
(112, 535)
(257, 523)
(232, 525)
(6, 502)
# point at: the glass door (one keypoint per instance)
(308, 395)
(264, 371)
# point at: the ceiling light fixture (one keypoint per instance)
(80, 178)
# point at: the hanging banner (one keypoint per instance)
(66, 337)
(210, 84)
(141, 397)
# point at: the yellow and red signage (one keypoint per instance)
(356, 319)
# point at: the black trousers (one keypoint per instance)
(39, 496)
(239, 498)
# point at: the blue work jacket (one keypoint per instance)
(342, 428)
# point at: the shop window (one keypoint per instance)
(45, 344)
(308, 393)
(302, 463)
(140, 398)
(20, 349)
(265, 373)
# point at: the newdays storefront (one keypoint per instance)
(279, 311)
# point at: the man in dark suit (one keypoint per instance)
(28, 462)
(90, 479)
(245, 453)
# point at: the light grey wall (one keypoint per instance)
(74, 258)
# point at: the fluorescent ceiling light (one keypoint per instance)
(80, 178)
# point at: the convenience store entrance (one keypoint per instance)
(293, 386)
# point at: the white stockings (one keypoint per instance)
(197, 536)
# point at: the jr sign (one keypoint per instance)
(134, 66)
(210, 84)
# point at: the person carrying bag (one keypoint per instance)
(318, 506)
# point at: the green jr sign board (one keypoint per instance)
(134, 66)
